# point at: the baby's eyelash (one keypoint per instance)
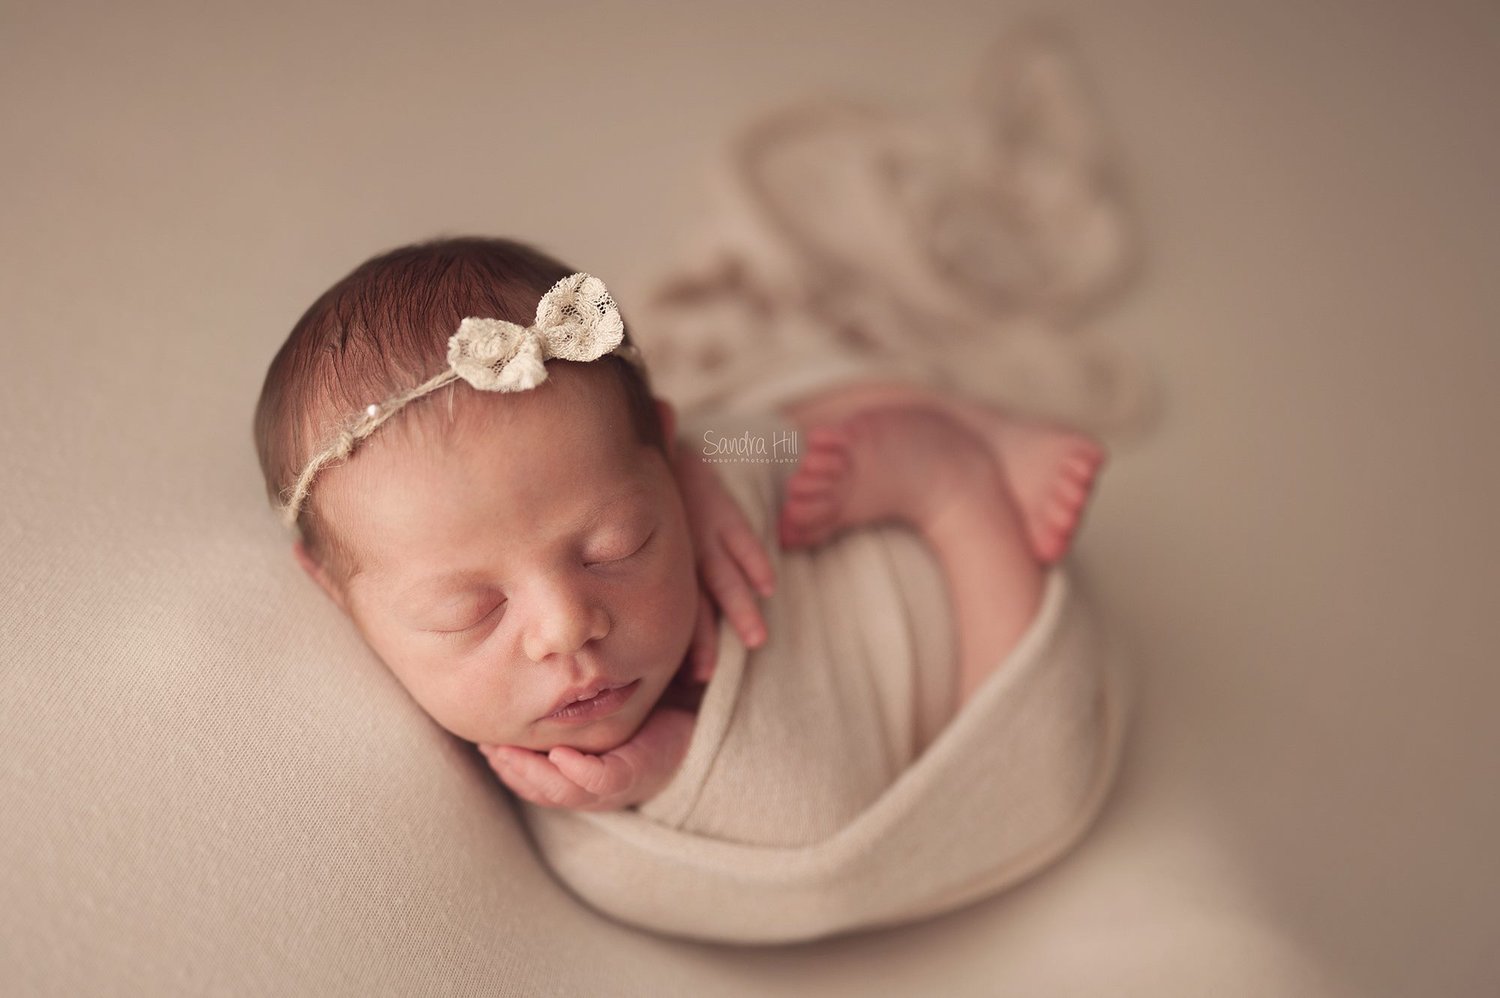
(639, 548)
(465, 630)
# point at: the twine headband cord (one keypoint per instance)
(575, 320)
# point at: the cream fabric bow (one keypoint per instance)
(575, 320)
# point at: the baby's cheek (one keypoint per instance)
(687, 580)
(678, 592)
(452, 697)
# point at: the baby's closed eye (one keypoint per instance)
(619, 551)
(470, 618)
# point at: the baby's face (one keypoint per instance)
(534, 548)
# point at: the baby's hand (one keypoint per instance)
(730, 556)
(581, 781)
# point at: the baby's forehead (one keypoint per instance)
(570, 437)
(570, 402)
(536, 464)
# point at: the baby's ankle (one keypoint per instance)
(928, 463)
(973, 493)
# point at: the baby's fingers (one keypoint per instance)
(705, 650)
(746, 549)
(535, 778)
(732, 593)
(603, 776)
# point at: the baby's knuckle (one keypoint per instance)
(594, 783)
(533, 794)
(727, 572)
(529, 795)
(554, 795)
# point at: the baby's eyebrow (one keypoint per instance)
(441, 584)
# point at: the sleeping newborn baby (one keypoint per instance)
(540, 560)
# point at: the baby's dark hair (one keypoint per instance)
(384, 329)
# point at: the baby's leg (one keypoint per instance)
(917, 466)
(1050, 469)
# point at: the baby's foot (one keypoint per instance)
(1051, 471)
(886, 463)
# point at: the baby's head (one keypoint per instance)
(496, 549)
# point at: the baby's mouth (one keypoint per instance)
(599, 697)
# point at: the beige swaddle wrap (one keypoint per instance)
(828, 785)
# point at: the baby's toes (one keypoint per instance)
(1054, 524)
(803, 522)
(792, 538)
(806, 508)
(1069, 492)
(1062, 517)
(808, 484)
(831, 461)
(1083, 461)
(1049, 539)
(829, 437)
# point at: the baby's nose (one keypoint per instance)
(565, 619)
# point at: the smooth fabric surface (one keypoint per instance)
(813, 799)
(212, 788)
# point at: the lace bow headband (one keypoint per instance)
(575, 320)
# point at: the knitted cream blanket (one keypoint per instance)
(828, 785)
